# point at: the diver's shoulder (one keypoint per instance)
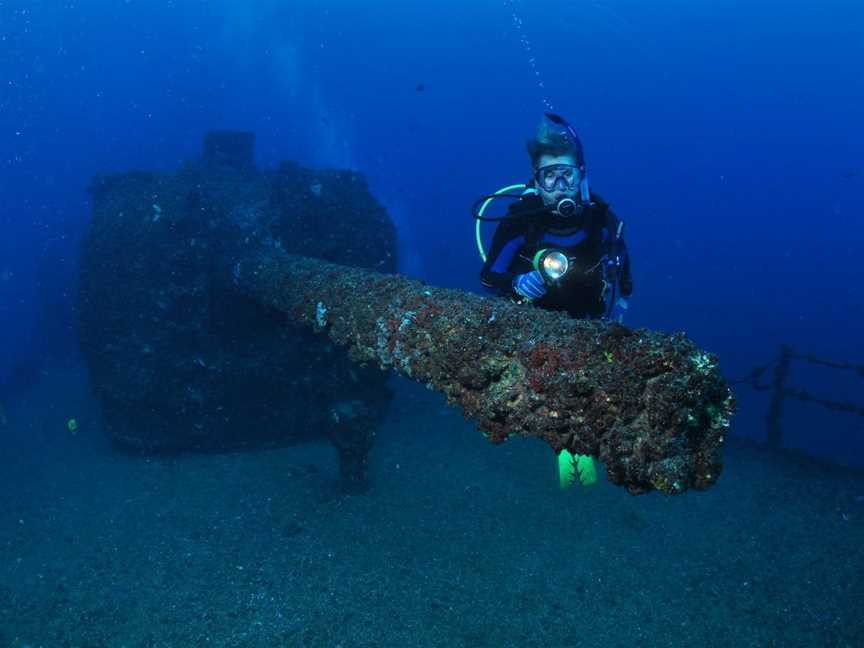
(598, 201)
(529, 200)
(527, 205)
(602, 210)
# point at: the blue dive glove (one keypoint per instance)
(530, 285)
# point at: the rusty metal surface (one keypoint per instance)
(652, 407)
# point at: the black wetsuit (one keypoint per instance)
(585, 290)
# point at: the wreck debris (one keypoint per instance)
(178, 360)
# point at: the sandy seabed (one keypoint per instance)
(457, 543)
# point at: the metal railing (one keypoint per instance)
(780, 391)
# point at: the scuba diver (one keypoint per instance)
(559, 247)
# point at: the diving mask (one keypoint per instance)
(565, 177)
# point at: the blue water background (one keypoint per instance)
(728, 136)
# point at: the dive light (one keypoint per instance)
(552, 264)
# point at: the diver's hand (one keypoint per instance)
(530, 285)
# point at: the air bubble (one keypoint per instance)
(518, 23)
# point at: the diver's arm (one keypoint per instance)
(618, 309)
(496, 274)
(613, 223)
(626, 280)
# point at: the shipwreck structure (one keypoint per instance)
(214, 313)
(179, 359)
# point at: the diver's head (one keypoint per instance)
(556, 178)
(557, 166)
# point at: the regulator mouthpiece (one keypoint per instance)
(566, 207)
